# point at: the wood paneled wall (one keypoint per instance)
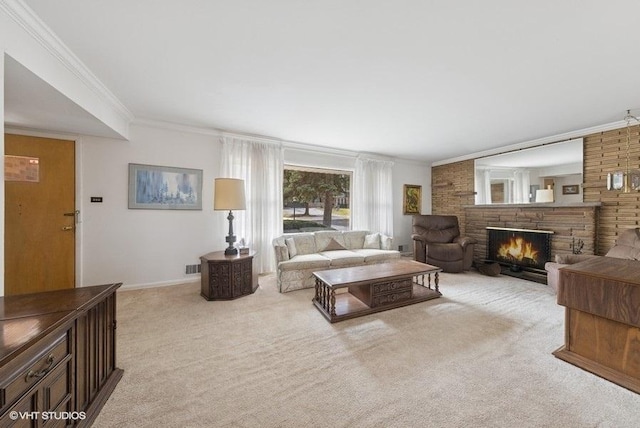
(452, 189)
(604, 152)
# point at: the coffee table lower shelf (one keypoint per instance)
(348, 306)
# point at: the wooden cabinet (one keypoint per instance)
(227, 277)
(602, 318)
(41, 379)
(57, 356)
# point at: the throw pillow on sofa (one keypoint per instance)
(334, 245)
(324, 237)
(372, 241)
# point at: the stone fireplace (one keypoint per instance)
(573, 225)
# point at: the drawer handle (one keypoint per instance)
(41, 373)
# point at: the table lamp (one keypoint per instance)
(229, 195)
(544, 195)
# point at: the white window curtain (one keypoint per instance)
(372, 207)
(483, 186)
(260, 165)
(521, 186)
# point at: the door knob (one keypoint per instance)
(66, 228)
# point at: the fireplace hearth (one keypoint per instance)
(519, 249)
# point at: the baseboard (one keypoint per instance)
(127, 287)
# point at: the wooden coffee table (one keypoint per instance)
(361, 290)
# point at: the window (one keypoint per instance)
(315, 199)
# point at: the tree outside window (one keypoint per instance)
(315, 199)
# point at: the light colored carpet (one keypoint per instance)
(480, 356)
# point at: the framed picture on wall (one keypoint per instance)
(572, 189)
(412, 199)
(155, 187)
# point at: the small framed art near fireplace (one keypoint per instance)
(519, 249)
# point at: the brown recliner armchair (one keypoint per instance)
(437, 241)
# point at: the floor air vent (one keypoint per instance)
(191, 269)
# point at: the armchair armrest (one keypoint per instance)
(282, 253)
(464, 241)
(569, 259)
(385, 242)
(417, 237)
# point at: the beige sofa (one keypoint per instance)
(299, 255)
(627, 247)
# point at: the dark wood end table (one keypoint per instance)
(227, 277)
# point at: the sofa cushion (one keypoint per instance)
(354, 239)
(324, 237)
(373, 255)
(305, 244)
(305, 261)
(291, 247)
(372, 241)
(343, 257)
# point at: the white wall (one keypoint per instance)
(144, 247)
(408, 172)
(152, 247)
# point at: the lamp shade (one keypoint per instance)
(544, 195)
(228, 194)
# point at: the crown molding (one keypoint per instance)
(291, 145)
(177, 127)
(580, 133)
(26, 18)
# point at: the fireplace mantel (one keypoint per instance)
(535, 205)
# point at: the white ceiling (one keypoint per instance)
(416, 79)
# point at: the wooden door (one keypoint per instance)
(39, 242)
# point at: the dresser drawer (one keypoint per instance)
(33, 366)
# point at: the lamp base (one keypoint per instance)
(231, 251)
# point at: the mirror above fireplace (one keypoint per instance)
(513, 177)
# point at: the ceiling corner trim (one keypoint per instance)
(26, 18)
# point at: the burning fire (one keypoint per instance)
(518, 249)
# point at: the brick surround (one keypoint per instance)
(568, 222)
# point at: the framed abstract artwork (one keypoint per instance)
(412, 199)
(155, 187)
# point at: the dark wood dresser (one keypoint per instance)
(227, 277)
(57, 356)
(602, 318)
